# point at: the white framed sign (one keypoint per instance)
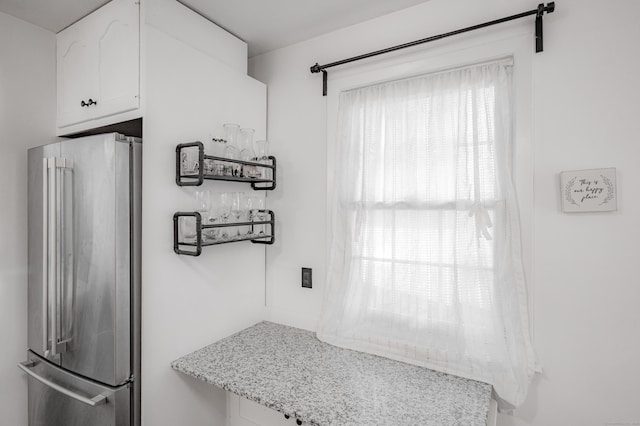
(592, 190)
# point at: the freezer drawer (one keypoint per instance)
(59, 398)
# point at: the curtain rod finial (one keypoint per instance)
(315, 68)
(549, 8)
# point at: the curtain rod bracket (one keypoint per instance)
(324, 82)
(316, 69)
(539, 11)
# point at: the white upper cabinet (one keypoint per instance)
(98, 63)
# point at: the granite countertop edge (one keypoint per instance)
(221, 364)
(181, 366)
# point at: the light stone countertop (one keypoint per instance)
(289, 370)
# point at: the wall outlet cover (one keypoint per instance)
(306, 278)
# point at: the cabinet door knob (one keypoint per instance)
(86, 104)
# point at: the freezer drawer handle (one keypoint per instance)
(96, 400)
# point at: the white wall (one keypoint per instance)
(183, 24)
(584, 286)
(27, 118)
(190, 302)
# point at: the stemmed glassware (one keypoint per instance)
(218, 150)
(237, 208)
(249, 202)
(247, 205)
(246, 151)
(213, 217)
(218, 208)
(200, 203)
(231, 150)
(262, 148)
(225, 204)
(237, 144)
(258, 215)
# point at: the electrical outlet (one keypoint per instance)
(306, 278)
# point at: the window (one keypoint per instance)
(424, 260)
(414, 248)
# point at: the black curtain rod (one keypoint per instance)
(539, 11)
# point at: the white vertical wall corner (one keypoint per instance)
(189, 302)
(27, 119)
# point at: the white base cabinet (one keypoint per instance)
(98, 65)
(242, 412)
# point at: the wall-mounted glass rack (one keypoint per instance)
(261, 231)
(193, 166)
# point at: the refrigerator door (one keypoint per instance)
(39, 245)
(59, 398)
(96, 311)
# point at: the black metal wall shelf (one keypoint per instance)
(179, 246)
(196, 178)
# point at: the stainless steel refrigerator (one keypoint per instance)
(83, 360)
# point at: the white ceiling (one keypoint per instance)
(53, 15)
(264, 24)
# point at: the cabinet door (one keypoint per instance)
(76, 70)
(243, 412)
(99, 60)
(117, 47)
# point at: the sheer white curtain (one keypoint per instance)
(425, 264)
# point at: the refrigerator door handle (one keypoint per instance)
(53, 255)
(45, 257)
(96, 400)
(54, 240)
(62, 338)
